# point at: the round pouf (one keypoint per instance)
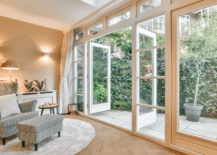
(75, 136)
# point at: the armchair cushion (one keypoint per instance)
(28, 106)
(8, 105)
(15, 119)
(8, 125)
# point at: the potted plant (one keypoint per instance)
(198, 41)
(193, 110)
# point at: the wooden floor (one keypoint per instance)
(111, 141)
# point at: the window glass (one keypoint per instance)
(151, 122)
(79, 100)
(100, 73)
(79, 36)
(79, 69)
(198, 72)
(79, 86)
(79, 52)
(152, 92)
(152, 62)
(152, 32)
(94, 29)
(149, 5)
(119, 18)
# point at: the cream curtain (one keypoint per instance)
(66, 55)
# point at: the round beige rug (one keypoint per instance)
(75, 136)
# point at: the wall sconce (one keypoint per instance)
(46, 55)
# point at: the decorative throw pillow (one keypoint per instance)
(32, 85)
(35, 85)
(8, 105)
(15, 86)
(43, 85)
(28, 84)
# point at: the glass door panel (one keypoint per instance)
(152, 127)
(197, 72)
(100, 92)
(100, 79)
(146, 62)
(147, 94)
(78, 79)
(79, 100)
(79, 69)
(150, 77)
(194, 90)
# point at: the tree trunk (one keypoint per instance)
(196, 92)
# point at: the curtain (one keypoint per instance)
(66, 55)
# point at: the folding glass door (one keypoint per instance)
(150, 77)
(99, 56)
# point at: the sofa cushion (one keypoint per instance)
(15, 86)
(41, 123)
(8, 105)
(6, 88)
(15, 119)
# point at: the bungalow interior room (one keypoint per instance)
(111, 77)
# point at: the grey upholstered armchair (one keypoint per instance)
(8, 125)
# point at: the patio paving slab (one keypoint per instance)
(203, 131)
(206, 127)
(152, 133)
(158, 127)
(127, 126)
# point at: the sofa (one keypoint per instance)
(8, 125)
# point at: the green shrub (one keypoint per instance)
(122, 105)
(100, 92)
(201, 43)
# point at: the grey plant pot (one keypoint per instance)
(193, 112)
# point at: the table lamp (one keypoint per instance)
(10, 65)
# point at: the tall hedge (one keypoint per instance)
(198, 45)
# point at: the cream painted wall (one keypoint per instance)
(26, 43)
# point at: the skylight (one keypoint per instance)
(96, 3)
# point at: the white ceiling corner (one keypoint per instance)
(55, 14)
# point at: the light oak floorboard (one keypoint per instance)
(111, 141)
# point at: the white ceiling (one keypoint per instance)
(55, 14)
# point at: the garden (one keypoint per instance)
(197, 67)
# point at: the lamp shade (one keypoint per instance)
(10, 65)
